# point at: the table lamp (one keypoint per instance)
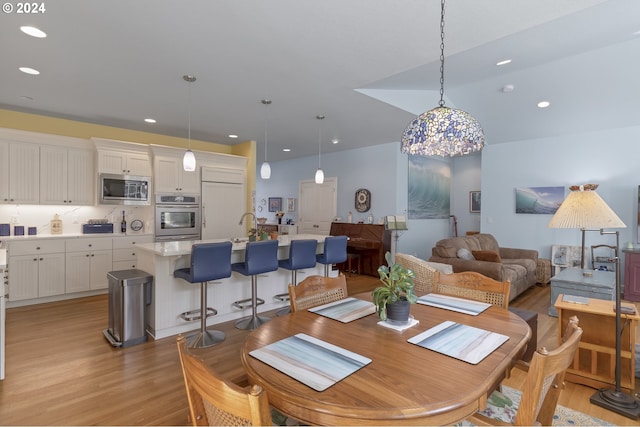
(584, 209)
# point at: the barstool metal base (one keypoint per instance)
(203, 340)
(252, 322)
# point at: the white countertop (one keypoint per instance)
(183, 247)
(68, 236)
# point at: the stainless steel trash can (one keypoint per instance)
(129, 297)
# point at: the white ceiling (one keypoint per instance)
(368, 65)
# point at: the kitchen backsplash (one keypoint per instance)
(72, 217)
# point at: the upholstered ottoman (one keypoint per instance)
(531, 317)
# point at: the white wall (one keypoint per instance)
(608, 158)
(383, 170)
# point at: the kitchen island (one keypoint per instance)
(171, 296)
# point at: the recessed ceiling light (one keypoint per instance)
(150, 120)
(543, 104)
(507, 88)
(233, 136)
(335, 141)
(28, 70)
(286, 150)
(503, 62)
(33, 31)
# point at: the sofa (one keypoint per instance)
(481, 253)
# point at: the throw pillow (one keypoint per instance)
(464, 253)
(490, 256)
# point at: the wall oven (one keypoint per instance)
(177, 217)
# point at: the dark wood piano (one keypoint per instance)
(369, 241)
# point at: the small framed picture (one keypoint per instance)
(291, 204)
(474, 201)
(275, 204)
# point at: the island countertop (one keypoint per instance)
(183, 247)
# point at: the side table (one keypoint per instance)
(572, 281)
(595, 362)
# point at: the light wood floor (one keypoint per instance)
(60, 370)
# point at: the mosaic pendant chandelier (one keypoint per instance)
(442, 131)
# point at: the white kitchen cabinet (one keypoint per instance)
(19, 176)
(124, 162)
(66, 176)
(88, 262)
(36, 269)
(125, 254)
(170, 177)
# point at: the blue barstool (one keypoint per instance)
(335, 251)
(209, 261)
(302, 254)
(259, 257)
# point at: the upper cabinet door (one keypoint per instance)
(169, 177)
(66, 176)
(124, 163)
(24, 173)
(81, 179)
(4, 172)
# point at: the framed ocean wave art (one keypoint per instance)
(429, 183)
(538, 200)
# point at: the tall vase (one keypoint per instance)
(279, 220)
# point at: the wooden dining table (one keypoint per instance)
(405, 384)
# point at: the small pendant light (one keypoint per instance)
(189, 159)
(265, 169)
(319, 172)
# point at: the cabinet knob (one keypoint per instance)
(35, 259)
(87, 255)
(91, 254)
(38, 248)
(41, 259)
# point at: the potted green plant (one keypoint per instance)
(396, 294)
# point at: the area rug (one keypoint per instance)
(503, 406)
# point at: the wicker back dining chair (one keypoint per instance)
(543, 385)
(317, 290)
(425, 274)
(214, 401)
(474, 286)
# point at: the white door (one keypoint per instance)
(222, 207)
(318, 206)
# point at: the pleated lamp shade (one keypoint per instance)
(584, 209)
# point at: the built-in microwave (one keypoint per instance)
(124, 189)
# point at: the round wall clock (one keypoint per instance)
(363, 200)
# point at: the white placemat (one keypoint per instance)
(463, 342)
(460, 305)
(345, 310)
(313, 362)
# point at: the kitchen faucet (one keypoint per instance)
(255, 220)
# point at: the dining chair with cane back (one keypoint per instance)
(474, 286)
(317, 290)
(543, 385)
(216, 401)
(425, 274)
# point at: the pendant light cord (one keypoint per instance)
(441, 103)
(266, 103)
(319, 117)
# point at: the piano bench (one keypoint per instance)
(351, 257)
